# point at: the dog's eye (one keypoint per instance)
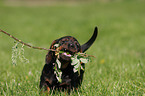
(62, 42)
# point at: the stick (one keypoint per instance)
(25, 43)
(30, 45)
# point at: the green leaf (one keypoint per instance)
(77, 65)
(82, 67)
(84, 60)
(56, 45)
(75, 70)
(15, 53)
(58, 75)
(58, 63)
(21, 55)
(61, 51)
(67, 53)
(75, 61)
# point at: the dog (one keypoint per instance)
(70, 80)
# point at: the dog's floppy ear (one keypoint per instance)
(50, 57)
(85, 46)
(53, 43)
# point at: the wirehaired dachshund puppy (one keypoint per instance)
(70, 80)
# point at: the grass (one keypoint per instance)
(118, 68)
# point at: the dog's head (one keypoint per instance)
(70, 46)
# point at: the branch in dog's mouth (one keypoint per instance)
(76, 61)
(68, 54)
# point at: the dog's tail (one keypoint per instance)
(85, 46)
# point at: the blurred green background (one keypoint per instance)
(118, 68)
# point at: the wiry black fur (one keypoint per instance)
(70, 80)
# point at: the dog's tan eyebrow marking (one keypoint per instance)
(47, 80)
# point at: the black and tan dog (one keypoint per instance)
(70, 80)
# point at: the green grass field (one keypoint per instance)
(118, 68)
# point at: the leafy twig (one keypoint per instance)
(20, 41)
(25, 43)
(16, 51)
(21, 55)
(14, 54)
(76, 61)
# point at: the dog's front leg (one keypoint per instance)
(47, 77)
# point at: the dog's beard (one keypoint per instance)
(65, 57)
(65, 60)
